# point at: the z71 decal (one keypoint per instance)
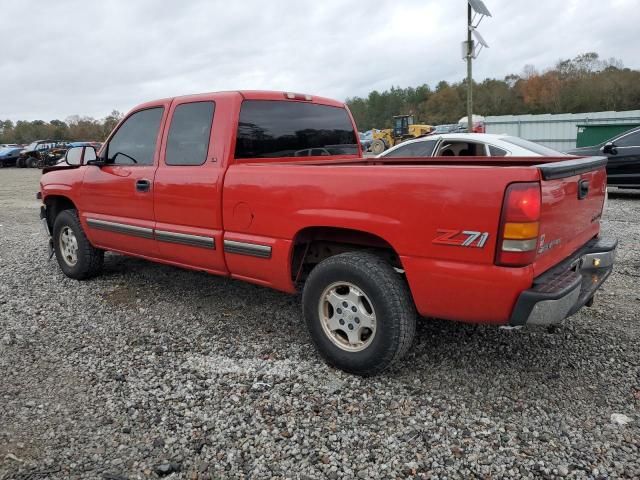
(464, 238)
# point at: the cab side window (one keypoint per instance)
(135, 141)
(188, 140)
(630, 140)
(458, 148)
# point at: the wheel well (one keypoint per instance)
(314, 244)
(56, 204)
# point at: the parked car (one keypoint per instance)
(41, 153)
(366, 139)
(211, 183)
(623, 153)
(478, 123)
(470, 145)
(9, 155)
(448, 128)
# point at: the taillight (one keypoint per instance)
(519, 225)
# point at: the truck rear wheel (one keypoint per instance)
(378, 146)
(359, 312)
(76, 256)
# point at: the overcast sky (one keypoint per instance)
(63, 57)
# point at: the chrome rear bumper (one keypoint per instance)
(566, 288)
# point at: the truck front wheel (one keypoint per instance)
(359, 312)
(76, 256)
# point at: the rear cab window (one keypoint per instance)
(282, 129)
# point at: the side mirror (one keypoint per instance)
(76, 156)
(610, 147)
(73, 156)
(89, 155)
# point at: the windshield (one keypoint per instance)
(31, 146)
(534, 147)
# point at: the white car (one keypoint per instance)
(470, 145)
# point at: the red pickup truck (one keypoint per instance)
(272, 188)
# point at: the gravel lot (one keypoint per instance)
(153, 371)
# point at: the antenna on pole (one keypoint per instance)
(476, 11)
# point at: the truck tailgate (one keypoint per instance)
(573, 194)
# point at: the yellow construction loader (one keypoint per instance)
(403, 129)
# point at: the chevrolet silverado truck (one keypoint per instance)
(272, 188)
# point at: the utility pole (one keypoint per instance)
(470, 49)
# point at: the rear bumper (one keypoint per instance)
(563, 290)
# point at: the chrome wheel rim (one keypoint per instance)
(347, 316)
(68, 246)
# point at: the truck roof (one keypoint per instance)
(253, 95)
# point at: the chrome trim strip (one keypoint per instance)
(120, 228)
(251, 249)
(185, 239)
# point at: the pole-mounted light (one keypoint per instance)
(476, 11)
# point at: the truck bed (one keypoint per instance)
(408, 203)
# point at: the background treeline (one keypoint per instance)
(585, 83)
(73, 128)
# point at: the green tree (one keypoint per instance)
(581, 84)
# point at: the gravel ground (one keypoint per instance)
(152, 371)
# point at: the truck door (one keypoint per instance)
(116, 199)
(623, 167)
(188, 183)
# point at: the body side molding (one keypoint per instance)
(244, 248)
(120, 228)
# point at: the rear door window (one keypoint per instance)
(496, 152)
(417, 149)
(272, 128)
(457, 148)
(188, 139)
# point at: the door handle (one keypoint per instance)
(583, 189)
(143, 185)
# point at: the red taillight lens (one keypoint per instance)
(522, 202)
(519, 225)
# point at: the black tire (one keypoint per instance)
(89, 259)
(32, 162)
(389, 297)
(378, 146)
(20, 162)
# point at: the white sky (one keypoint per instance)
(65, 57)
